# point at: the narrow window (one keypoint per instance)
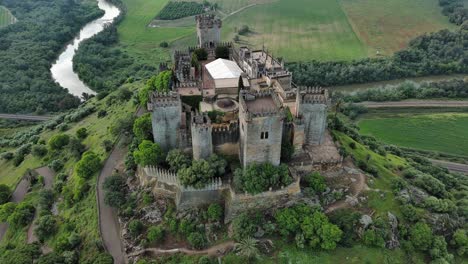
(266, 135)
(262, 135)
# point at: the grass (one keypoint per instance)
(444, 132)
(299, 30)
(6, 18)
(141, 41)
(388, 26)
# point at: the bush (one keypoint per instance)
(45, 226)
(135, 227)
(56, 165)
(58, 141)
(115, 191)
(197, 175)
(201, 54)
(421, 236)
(5, 193)
(22, 215)
(155, 234)
(89, 164)
(39, 150)
(82, 133)
(245, 225)
(164, 44)
(257, 178)
(316, 182)
(177, 160)
(142, 127)
(372, 238)
(197, 240)
(222, 52)
(215, 212)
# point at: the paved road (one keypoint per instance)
(108, 222)
(25, 117)
(452, 166)
(416, 103)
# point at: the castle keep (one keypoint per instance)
(246, 106)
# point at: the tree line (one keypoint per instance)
(30, 46)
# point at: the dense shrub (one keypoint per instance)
(115, 191)
(5, 193)
(135, 227)
(177, 159)
(59, 141)
(45, 226)
(197, 175)
(89, 164)
(215, 212)
(155, 234)
(148, 153)
(257, 178)
(315, 182)
(197, 240)
(142, 127)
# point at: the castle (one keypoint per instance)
(243, 104)
(257, 113)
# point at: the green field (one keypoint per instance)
(299, 30)
(6, 18)
(434, 132)
(141, 41)
(388, 25)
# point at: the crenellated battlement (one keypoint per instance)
(260, 103)
(313, 95)
(163, 99)
(208, 21)
(189, 84)
(201, 121)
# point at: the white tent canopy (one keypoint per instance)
(223, 69)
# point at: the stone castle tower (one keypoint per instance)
(208, 30)
(166, 115)
(311, 110)
(202, 143)
(261, 127)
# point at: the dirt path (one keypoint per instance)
(451, 166)
(416, 103)
(216, 250)
(356, 189)
(108, 222)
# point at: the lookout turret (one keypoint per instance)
(201, 136)
(208, 30)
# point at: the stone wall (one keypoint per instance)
(315, 122)
(208, 30)
(236, 203)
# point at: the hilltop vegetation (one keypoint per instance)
(28, 48)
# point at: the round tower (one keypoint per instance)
(202, 143)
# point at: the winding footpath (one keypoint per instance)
(109, 225)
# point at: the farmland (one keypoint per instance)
(6, 17)
(434, 132)
(299, 30)
(388, 26)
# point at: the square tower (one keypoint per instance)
(202, 142)
(208, 30)
(166, 119)
(261, 127)
(311, 110)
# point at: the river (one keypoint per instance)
(62, 69)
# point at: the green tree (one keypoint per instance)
(45, 226)
(421, 236)
(222, 52)
(148, 153)
(58, 141)
(155, 234)
(330, 235)
(89, 164)
(51, 258)
(82, 133)
(177, 159)
(22, 216)
(39, 150)
(5, 193)
(115, 191)
(460, 241)
(248, 248)
(257, 178)
(197, 175)
(218, 164)
(201, 54)
(142, 127)
(372, 238)
(6, 210)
